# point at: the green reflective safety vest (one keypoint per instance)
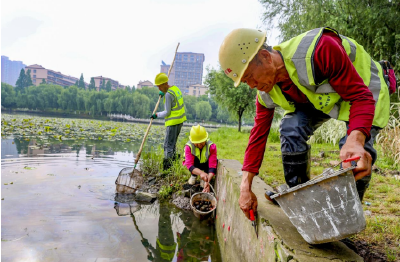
(178, 114)
(203, 154)
(298, 54)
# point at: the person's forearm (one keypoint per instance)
(212, 159)
(167, 105)
(247, 181)
(197, 171)
(258, 138)
(357, 136)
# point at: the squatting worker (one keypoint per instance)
(315, 76)
(200, 157)
(174, 115)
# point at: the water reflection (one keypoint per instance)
(195, 241)
(37, 147)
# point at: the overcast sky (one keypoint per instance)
(123, 39)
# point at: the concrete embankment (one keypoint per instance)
(278, 239)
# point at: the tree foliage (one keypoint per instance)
(28, 78)
(81, 83)
(20, 84)
(372, 23)
(108, 86)
(203, 110)
(7, 95)
(139, 104)
(92, 85)
(237, 101)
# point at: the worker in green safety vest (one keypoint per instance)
(165, 247)
(174, 115)
(200, 157)
(315, 76)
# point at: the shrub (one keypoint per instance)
(389, 137)
(329, 132)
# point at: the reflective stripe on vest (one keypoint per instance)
(178, 114)
(298, 56)
(167, 252)
(203, 154)
(165, 247)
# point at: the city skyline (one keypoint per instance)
(125, 40)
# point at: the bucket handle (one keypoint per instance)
(212, 188)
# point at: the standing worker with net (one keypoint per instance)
(174, 115)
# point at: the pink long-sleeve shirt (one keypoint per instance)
(212, 159)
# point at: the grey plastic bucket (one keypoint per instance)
(325, 209)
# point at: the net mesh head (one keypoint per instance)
(128, 180)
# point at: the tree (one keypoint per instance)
(103, 85)
(203, 110)
(8, 96)
(128, 88)
(77, 83)
(92, 85)
(81, 83)
(28, 79)
(20, 84)
(108, 86)
(237, 101)
(43, 81)
(190, 106)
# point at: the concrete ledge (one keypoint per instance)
(278, 239)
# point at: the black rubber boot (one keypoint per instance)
(296, 167)
(166, 164)
(176, 157)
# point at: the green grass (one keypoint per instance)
(383, 225)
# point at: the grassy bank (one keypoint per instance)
(381, 200)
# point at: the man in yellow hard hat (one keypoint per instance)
(174, 115)
(200, 157)
(315, 76)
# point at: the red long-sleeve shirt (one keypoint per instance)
(330, 62)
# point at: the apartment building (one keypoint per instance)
(145, 83)
(197, 90)
(38, 73)
(98, 81)
(10, 70)
(187, 70)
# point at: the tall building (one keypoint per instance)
(10, 70)
(187, 70)
(38, 73)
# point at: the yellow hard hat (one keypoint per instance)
(198, 134)
(161, 78)
(238, 49)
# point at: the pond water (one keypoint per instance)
(59, 204)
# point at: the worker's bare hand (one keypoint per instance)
(353, 147)
(247, 199)
(206, 188)
(204, 176)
